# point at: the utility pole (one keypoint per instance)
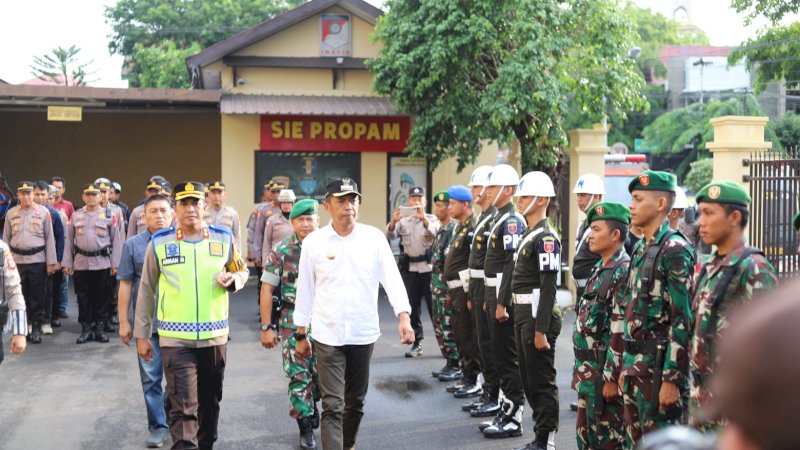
(702, 63)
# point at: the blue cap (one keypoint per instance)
(459, 193)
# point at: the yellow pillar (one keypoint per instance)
(587, 150)
(735, 139)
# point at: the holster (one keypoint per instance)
(658, 377)
(403, 263)
(599, 400)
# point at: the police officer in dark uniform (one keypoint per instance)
(456, 274)
(503, 241)
(536, 314)
(488, 405)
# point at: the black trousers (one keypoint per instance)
(468, 352)
(55, 287)
(418, 288)
(537, 368)
(33, 278)
(343, 381)
(91, 287)
(480, 320)
(505, 350)
(194, 384)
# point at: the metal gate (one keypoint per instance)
(775, 190)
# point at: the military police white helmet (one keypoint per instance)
(286, 196)
(589, 183)
(502, 175)
(535, 184)
(478, 177)
(680, 199)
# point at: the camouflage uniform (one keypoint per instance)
(604, 430)
(281, 268)
(442, 306)
(753, 274)
(665, 318)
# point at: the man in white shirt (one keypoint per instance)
(337, 293)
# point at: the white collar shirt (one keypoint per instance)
(337, 285)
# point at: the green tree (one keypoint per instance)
(61, 66)
(501, 71)
(700, 174)
(787, 129)
(148, 31)
(772, 55)
(773, 10)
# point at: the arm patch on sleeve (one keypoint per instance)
(512, 232)
(549, 255)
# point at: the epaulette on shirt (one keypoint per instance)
(220, 229)
(163, 232)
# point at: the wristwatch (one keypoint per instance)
(300, 336)
(268, 326)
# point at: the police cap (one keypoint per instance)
(189, 189)
(416, 191)
(25, 186)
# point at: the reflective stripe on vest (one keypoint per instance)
(192, 305)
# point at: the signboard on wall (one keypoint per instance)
(306, 173)
(405, 173)
(335, 35)
(335, 133)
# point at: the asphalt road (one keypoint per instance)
(67, 396)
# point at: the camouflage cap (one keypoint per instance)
(305, 207)
(724, 192)
(651, 180)
(796, 222)
(609, 211)
(441, 196)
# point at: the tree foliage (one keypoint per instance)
(501, 71)
(700, 174)
(772, 55)
(61, 66)
(773, 10)
(787, 130)
(146, 31)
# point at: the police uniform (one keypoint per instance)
(599, 424)
(456, 274)
(93, 247)
(281, 271)
(12, 302)
(225, 216)
(442, 306)
(726, 282)
(29, 235)
(118, 218)
(192, 319)
(656, 322)
(416, 241)
(263, 214)
(504, 238)
(136, 222)
(276, 229)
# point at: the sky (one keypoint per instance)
(29, 28)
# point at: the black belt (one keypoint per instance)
(26, 251)
(419, 258)
(701, 378)
(105, 251)
(642, 347)
(586, 354)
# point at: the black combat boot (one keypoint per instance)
(451, 372)
(306, 433)
(108, 327)
(510, 424)
(99, 333)
(36, 333)
(87, 334)
(315, 417)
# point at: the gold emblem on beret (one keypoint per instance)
(714, 192)
(331, 256)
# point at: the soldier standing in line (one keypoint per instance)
(118, 219)
(416, 233)
(456, 274)
(489, 403)
(730, 277)
(600, 424)
(218, 213)
(92, 253)
(137, 222)
(281, 271)
(504, 237)
(589, 190)
(656, 324)
(537, 317)
(28, 230)
(443, 306)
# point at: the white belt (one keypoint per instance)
(490, 282)
(527, 299)
(452, 284)
(475, 273)
(581, 283)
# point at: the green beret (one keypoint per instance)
(306, 207)
(609, 211)
(724, 192)
(651, 180)
(441, 196)
(796, 222)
